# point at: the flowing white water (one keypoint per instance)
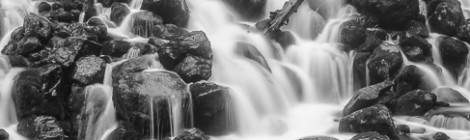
(267, 106)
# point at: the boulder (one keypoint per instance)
(352, 34)
(411, 78)
(367, 96)
(37, 26)
(374, 37)
(191, 134)
(141, 95)
(212, 108)
(35, 92)
(374, 118)
(108, 3)
(391, 14)
(89, 70)
(417, 28)
(66, 50)
(450, 95)
(4, 135)
(416, 48)
(370, 136)
(454, 55)
(118, 12)
(464, 31)
(189, 55)
(440, 136)
(172, 11)
(445, 16)
(385, 62)
(116, 48)
(248, 9)
(41, 128)
(414, 103)
(44, 8)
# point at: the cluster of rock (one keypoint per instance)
(63, 56)
(380, 33)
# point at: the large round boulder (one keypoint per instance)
(367, 96)
(118, 12)
(450, 95)
(416, 49)
(414, 103)
(454, 54)
(374, 118)
(391, 14)
(172, 11)
(445, 16)
(212, 108)
(385, 62)
(142, 97)
(464, 31)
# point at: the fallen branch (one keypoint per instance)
(280, 17)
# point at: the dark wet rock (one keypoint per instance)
(416, 49)
(367, 96)
(191, 134)
(359, 68)
(96, 30)
(251, 52)
(189, 55)
(143, 22)
(374, 118)
(318, 138)
(123, 133)
(450, 95)
(35, 92)
(116, 48)
(172, 11)
(411, 78)
(403, 129)
(445, 16)
(37, 26)
(352, 34)
(454, 54)
(66, 50)
(370, 136)
(44, 8)
(212, 108)
(118, 12)
(249, 9)
(108, 3)
(24, 46)
(18, 61)
(440, 136)
(414, 103)
(374, 37)
(4, 134)
(168, 31)
(385, 62)
(89, 70)
(464, 31)
(194, 68)
(417, 28)
(41, 128)
(137, 90)
(392, 14)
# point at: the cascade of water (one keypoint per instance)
(330, 32)
(7, 108)
(307, 23)
(466, 8)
